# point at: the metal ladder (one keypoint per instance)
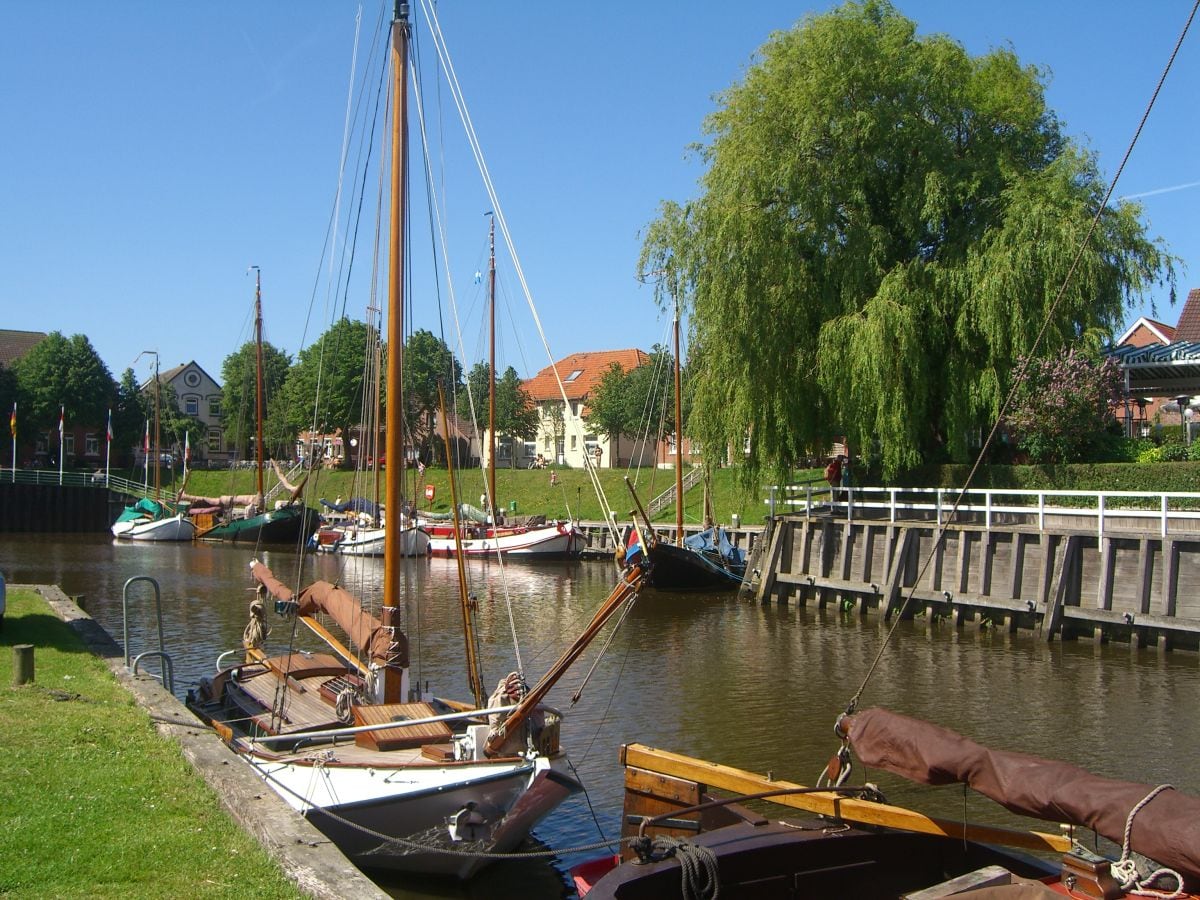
(167, 671)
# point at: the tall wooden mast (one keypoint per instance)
(678, 439)
(259, 403)
(492, 371)
(394, 440)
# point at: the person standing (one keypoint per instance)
(846, 479)
(833, 474)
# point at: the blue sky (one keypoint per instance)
(153, 151)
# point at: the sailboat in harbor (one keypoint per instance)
(152, 518)
(491, 537)
(244, 518)
(707, 561)
(397, 778)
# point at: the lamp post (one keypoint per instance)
(1182, 400)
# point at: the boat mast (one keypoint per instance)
(258, 393)
(394, 437)
(157, 434)
(678, 439)
(492, 371)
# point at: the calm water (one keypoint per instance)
(751, 686)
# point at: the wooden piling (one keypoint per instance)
(22, 664)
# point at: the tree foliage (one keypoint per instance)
(1063, 405)
(884, 225)
(638, 402)
(67, 373)
(326, 385)
(239, 388)
(428, 362)
(516, 415)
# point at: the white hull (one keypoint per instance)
(369, 542)
(176, 528)
(557, 540)
(384, 818)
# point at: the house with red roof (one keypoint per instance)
(563, 435)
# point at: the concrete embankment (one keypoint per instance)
(305, 855)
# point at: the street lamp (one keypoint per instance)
(1182, 400)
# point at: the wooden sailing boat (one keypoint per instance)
(425, 785)
(553, 540)
(703, 562)
(150, 518)
(243, 518)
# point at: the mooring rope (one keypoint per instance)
(1125, 869)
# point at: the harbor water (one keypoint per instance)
(757, 687)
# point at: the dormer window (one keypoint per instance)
(572, 376)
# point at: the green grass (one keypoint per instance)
(94, 803)
(573, 496)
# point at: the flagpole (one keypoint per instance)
(13, 428)
(108, 448)
(61, 413)
(146, 459)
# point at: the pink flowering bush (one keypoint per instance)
(1063, 405)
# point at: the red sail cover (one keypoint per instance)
(1167, 829)
(364, 630)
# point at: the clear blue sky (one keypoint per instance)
(152, 151)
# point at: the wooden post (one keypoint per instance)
(22, 664)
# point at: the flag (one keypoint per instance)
(633, 546)
(187, 447)
(108, 431)
(61, 413)
(12, 421)
(146, 442)
(420, 467)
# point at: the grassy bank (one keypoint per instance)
(95, 803)
(530, 489)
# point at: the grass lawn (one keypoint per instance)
(94, 803)
(530, 489)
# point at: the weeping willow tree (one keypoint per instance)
(884, 223)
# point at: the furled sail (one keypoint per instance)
(1166, 829)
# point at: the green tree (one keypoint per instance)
(67, 373)
(516, 414)
(326, 386)
(130, 412)
(885, 223)
(239, 386)
(639, 402)
(428, 362)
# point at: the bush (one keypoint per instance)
(1174, 450)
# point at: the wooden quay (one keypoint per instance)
(1118, 566)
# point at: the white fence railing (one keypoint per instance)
(80, 478)
(1106, 508)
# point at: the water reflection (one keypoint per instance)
(751, 686)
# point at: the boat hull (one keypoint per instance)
(288, 525)
(407, 831)
(557, 541)
(370, 541)
(675, 568)
(174, 528)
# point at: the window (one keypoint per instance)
(91, 443)
(504, 449)
(529, 450)
(575, 408)
(191, 406)
(214, 440)
(68, 445)
(573, 442)
(575, 374)
(214, 408)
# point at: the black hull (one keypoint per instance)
(777, 860)
(675, 568)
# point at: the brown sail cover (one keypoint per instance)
(1167, 829)
(364, 630)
